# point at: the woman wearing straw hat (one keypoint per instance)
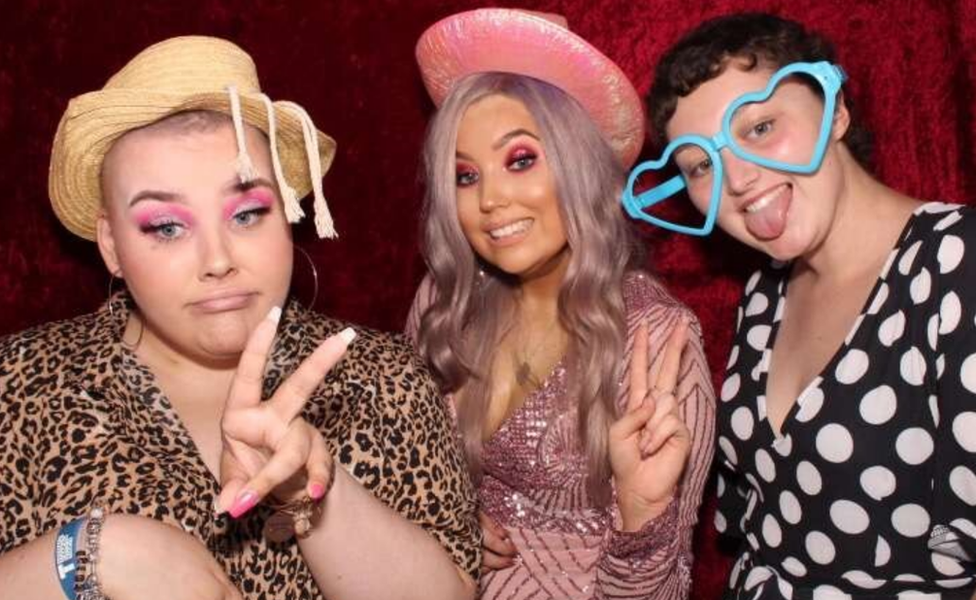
(172, 444)
(586, 421)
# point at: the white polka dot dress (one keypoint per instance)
(870, 490)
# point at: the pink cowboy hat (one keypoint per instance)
(538, 45)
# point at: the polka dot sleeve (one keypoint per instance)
(953, 535)
(732, 488)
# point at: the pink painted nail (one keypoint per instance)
(316, 491)
(245, 502)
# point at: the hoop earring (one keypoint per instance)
(132, 347)
(111, 311)
(111, 304)
(315, 276)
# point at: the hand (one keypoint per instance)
(650, 443)
(145, 559)
(499, 551)
(268, 447)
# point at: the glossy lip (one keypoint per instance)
(224, 301)
(509, 239)
(767, 195)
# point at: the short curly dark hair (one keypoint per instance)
(757, 39)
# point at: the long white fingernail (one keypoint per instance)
(275, 314)
(348, 335)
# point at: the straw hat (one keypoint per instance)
(180, 74)
(538, 45)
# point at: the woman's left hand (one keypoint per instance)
(267, 446)
(650, 443)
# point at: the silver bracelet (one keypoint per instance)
(87, 586)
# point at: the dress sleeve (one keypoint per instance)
(655, 562)
(732, 500)
(731, 486)
(431, 486)
(18, 522)
(953, 534)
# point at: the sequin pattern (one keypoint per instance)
(534, 475)
(534, 481)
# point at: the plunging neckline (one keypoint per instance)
(527, 401)
(868, 307)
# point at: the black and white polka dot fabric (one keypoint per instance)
(870, 490)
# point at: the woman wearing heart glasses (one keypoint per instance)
(847, 427)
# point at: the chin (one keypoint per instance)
(221, 350)
(225, 338)
(525, 272)
(512, 268)
(786, 248)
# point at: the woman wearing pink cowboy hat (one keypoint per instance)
(198, 436)
(579, 384)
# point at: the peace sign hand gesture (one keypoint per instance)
(650, 443)
(267, 445)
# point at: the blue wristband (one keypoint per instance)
(65, 556)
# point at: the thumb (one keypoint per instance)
(232, 480)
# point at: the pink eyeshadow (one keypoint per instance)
(157, 212)
(257, 198)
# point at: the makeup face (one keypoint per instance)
(782, 214)
(506, 195)
(204, 256)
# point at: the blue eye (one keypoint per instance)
(521, 158)
(166, 231)
(466, 178)
(522, 163)
(249, 217)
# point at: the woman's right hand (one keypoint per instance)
(650, 443)
(499, 551)
(268, 447)
(145, 559)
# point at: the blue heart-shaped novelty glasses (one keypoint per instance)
(828, 76)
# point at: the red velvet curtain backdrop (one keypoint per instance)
(912, 66)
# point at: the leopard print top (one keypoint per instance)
(83, 423)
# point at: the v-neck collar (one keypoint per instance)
(530, 399)
(106, 370)
(810, 392)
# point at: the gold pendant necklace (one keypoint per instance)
(524, 375)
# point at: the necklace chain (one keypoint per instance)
(524, 374)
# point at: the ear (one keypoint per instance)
(106, 245)
(842, 118)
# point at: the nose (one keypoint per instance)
(740, 174)
(216, 256)
(493, 192)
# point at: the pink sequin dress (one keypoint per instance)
(534, 482)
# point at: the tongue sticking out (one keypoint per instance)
(769, 222)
